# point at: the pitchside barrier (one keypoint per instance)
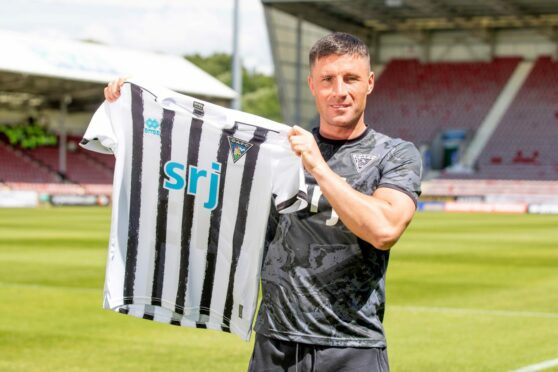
(18, 199)
(487, 207)
(475, 196)
(490, 196)
(13, 195)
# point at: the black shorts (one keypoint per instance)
(276, 355)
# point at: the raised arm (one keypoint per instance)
(379, 219)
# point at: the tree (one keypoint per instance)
(259, 91)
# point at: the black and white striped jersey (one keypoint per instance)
(193, 185)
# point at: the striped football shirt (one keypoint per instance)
(193, 185)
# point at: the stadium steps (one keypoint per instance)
(497, 112)
(103, 167)
(416, 101)
(105, 161)
(17, 166)
(79, 168)
(523, 146)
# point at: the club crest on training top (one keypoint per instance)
(361, 161)
(238, 148)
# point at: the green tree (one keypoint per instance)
(217, 65)
(259, 91)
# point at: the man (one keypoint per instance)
(323, 277)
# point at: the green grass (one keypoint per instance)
(465, 292)
(501, 271)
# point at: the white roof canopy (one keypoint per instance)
(38, 66)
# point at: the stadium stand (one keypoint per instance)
(416, 101)
(80, 168)
(29, 154)
(17, 167)
(524, 143)
(412, 100)
(106, 161)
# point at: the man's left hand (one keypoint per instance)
(304, 145)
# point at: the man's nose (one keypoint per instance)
(339, 87)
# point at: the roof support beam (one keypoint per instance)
(298, 72)
(434, 7)
(324, 17)
(487, 36)
(506, 7)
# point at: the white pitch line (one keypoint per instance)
(539, 366)
(454, 310)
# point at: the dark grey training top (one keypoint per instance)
(321, 284)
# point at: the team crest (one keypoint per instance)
(361, 161)
(238, 147)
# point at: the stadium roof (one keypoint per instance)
(423, 15)
(36, 71)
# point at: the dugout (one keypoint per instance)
(59, 83)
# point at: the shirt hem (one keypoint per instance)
(189, 318)
(322, 340)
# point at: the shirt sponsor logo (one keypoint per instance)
(176, 172)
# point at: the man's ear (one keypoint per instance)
(370, 82)
(311, 85)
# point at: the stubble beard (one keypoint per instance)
(349, 124)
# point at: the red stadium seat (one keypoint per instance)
(16, 167)
(525, 137)
(416, 101)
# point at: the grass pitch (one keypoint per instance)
(466, 292)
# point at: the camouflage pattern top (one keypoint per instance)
(321, 284)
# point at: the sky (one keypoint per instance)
(170, 26)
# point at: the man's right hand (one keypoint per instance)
(112, 90)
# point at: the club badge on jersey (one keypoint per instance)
(238, 148)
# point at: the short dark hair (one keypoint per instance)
(338, 43)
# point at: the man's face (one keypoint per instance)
(340, 84)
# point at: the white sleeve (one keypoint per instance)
(100, 136)
(289, 186)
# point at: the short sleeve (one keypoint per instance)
(402, 170)
(288, 183)
(100, 136)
